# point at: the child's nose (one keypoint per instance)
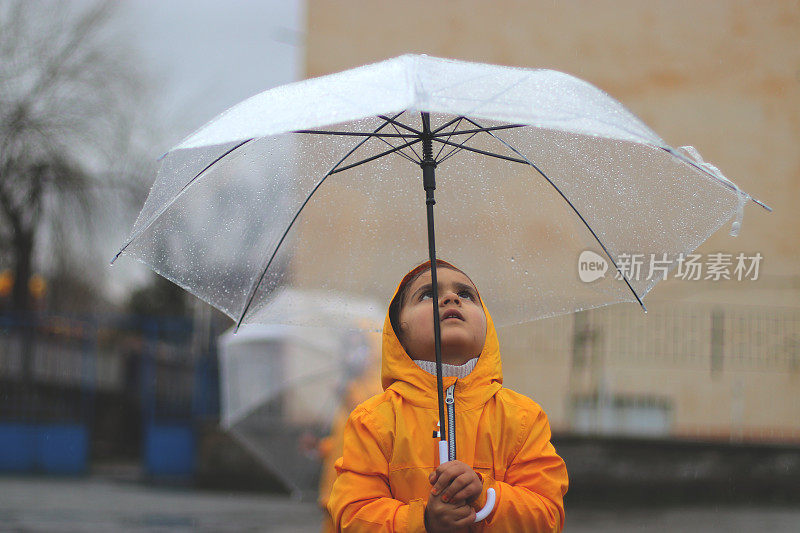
(448, 298)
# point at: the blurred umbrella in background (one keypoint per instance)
(287, 390)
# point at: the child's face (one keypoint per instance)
(463, 322)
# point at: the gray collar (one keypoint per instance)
(458, 371)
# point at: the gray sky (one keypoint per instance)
(210, 55)
(204, 56)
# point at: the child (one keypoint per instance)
(389, 478)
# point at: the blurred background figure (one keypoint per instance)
(363, 383)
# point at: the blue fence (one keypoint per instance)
(77, 389)
(52, 448)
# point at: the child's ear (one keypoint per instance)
(401, 327)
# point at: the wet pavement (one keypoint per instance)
(87, 505)
(712, 519)
(36, 504)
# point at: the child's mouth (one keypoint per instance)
(451, 314)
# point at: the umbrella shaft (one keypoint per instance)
(429, 183)
(437, 333)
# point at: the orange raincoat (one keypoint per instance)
(389, 449)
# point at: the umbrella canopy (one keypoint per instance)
(533, 167)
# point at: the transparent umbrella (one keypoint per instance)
(284, 387)
(328, 185)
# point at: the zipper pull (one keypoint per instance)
(449, 396)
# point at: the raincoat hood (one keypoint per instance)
(399, 373)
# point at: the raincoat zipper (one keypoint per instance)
(450, 401)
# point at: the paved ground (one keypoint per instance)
(89, 505)
(33, 504)
(686, 520)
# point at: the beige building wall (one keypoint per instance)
(723, 76)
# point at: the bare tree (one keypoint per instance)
(67, 93)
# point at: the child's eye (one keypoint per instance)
(465, 294)
(425, 295)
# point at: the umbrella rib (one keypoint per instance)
(358, 134)
(492, 128)
(440, 128)
(473, 132)
(585, 223)
(372, 158)
(483, 152)
(255, 286)
(454, 151)
(448, 138)
(392, 121)
(175, 198)
(400, 152)
(419, 159)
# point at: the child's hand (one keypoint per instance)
(441, 516)
(454, 481)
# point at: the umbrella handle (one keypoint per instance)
(483, 513)
(443, 455)
(490, 494)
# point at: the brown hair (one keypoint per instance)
(396, 304)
